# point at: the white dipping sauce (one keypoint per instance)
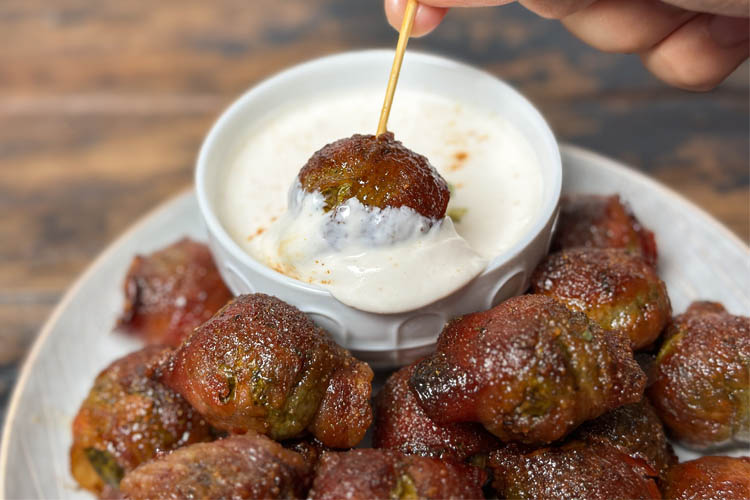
(496, 194)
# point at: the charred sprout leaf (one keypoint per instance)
(540, 396)
(479, 460)
(300, 407)
(231, 381)
(669, 345)
(457, 213)
(105, 465)
(405, 488)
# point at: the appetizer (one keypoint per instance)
(170, 292)
(542, 391)
(621, 455)
(379, 172)
(250, 466)
(701, 387)
(617, 290)
(571, 471)
(588, 220)
(366, 218)
(127, 419)
(634, 429)
(401, 424)
(724, 478)
(261, 364)
(366, 474)
(529, 370)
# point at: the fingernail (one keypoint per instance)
(729, 31)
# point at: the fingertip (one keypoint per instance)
(626, 26)
(427, 17)
(555, 9)
(691, 59)
(682, 77)
(394, 12)
(729, 31)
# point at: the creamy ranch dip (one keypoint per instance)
(496, 193)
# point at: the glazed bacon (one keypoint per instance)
(622, 454)
(366, 474)
(634, 429)
(529, 370)
(724, 478)
(701, 387)
(615, 289)
(345, 412)
(379, 172)
(401, 424)
(571, 471)
(261, 364)
(595, 221)
(170, 292)
(127, 419)
(250, 466)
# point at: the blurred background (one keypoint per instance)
(103, 106)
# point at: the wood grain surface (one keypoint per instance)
(103, 106)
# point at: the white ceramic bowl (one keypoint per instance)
(384, 340)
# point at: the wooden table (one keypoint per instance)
(103, 106)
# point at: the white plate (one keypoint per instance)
(699, 259)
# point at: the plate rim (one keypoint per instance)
(24, 373)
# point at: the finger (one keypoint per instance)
(736, 8)
(729, 31)
(426, 19)
(700, 54)
(626, 26)
(464, 3)
(555, 9)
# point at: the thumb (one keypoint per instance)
(430, 12)
(426, 19)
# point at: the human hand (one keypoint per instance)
(691, 44)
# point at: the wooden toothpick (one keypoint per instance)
(403, 39)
